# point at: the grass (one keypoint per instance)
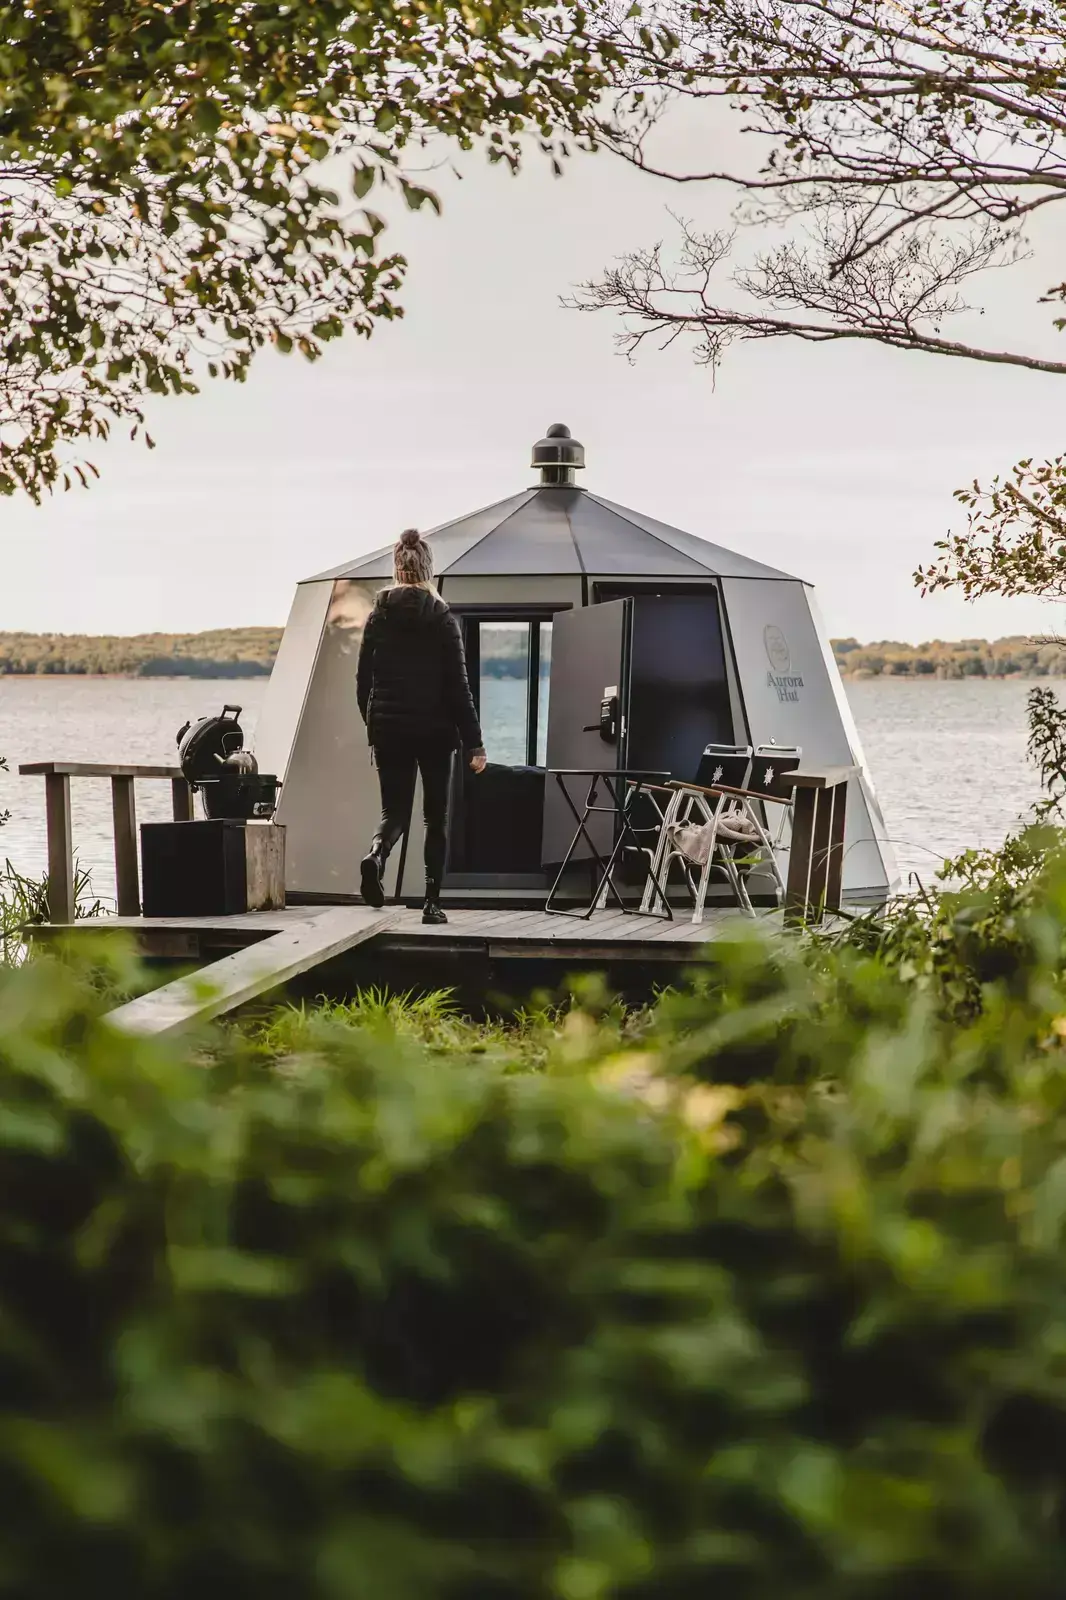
(24, 903)
(540, 1036)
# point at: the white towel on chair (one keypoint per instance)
(694, 841)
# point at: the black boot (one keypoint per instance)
(433, 911)
(371, 871)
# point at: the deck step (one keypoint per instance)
(249, 973)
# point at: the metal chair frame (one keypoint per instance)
(718, 805)
(685, 805)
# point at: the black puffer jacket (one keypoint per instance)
(412, 684)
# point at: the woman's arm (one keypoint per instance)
(364, 672)
(457, 687)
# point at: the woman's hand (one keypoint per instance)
(478, 761)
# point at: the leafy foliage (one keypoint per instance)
(971, 927)
(1015, 538)
(977, 923)
(24, 904)
(166, 183)
(766, 1301)
(1047, 750)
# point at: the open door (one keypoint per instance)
(587, 712)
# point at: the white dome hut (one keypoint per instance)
(562, 595)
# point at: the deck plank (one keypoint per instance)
(519, 925)
(499, 931)
(271, 921)
(251, 972)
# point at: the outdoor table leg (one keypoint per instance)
(60, 848)
(596, 859)
(622, 788)
(580, 819)
(127, 877)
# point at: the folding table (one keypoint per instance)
(623, 787)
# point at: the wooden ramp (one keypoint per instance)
(250, 972)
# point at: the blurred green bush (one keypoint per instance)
(765, 1299)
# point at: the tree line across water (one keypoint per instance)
(1019, 657)
(250, 652)
(223, 653)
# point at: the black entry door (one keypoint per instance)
(678, 689)
(586, 715)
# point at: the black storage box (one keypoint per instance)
(501, 821)
(211, 869)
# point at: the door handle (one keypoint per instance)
(607, 727)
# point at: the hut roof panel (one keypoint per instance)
(611, 544)
(449, 542)
(536, 538)
(713, 558)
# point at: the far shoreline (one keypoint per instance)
(137, 677)
(952, 677)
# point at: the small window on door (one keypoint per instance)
(510, 663)
(543, 689)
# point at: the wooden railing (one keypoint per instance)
(57, 776)
(816, 856)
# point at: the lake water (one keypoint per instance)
(947, 757)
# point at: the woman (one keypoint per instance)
(415, 699)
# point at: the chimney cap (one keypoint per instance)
(559, 456)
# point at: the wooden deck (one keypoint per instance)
(224, 963)
(607, 934)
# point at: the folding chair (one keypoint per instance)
(703, 808)
(771, 768)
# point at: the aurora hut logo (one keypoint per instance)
(787, 683)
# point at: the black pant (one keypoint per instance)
(397, 766)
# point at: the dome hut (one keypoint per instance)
(568, 602)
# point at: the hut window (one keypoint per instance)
(509, 665)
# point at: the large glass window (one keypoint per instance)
(504, 691)
(513, 663)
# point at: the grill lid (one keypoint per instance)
(204, 747)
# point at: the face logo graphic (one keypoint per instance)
(777, 651)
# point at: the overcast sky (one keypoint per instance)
(834, 463)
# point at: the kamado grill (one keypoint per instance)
(234, 860)
(216, 765)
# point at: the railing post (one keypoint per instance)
(60, 848)
(820, 845)
(181, 800)
(127, 878)
(816, 857)
(836, 848)
(797, 889)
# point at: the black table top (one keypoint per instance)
(609, 772)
